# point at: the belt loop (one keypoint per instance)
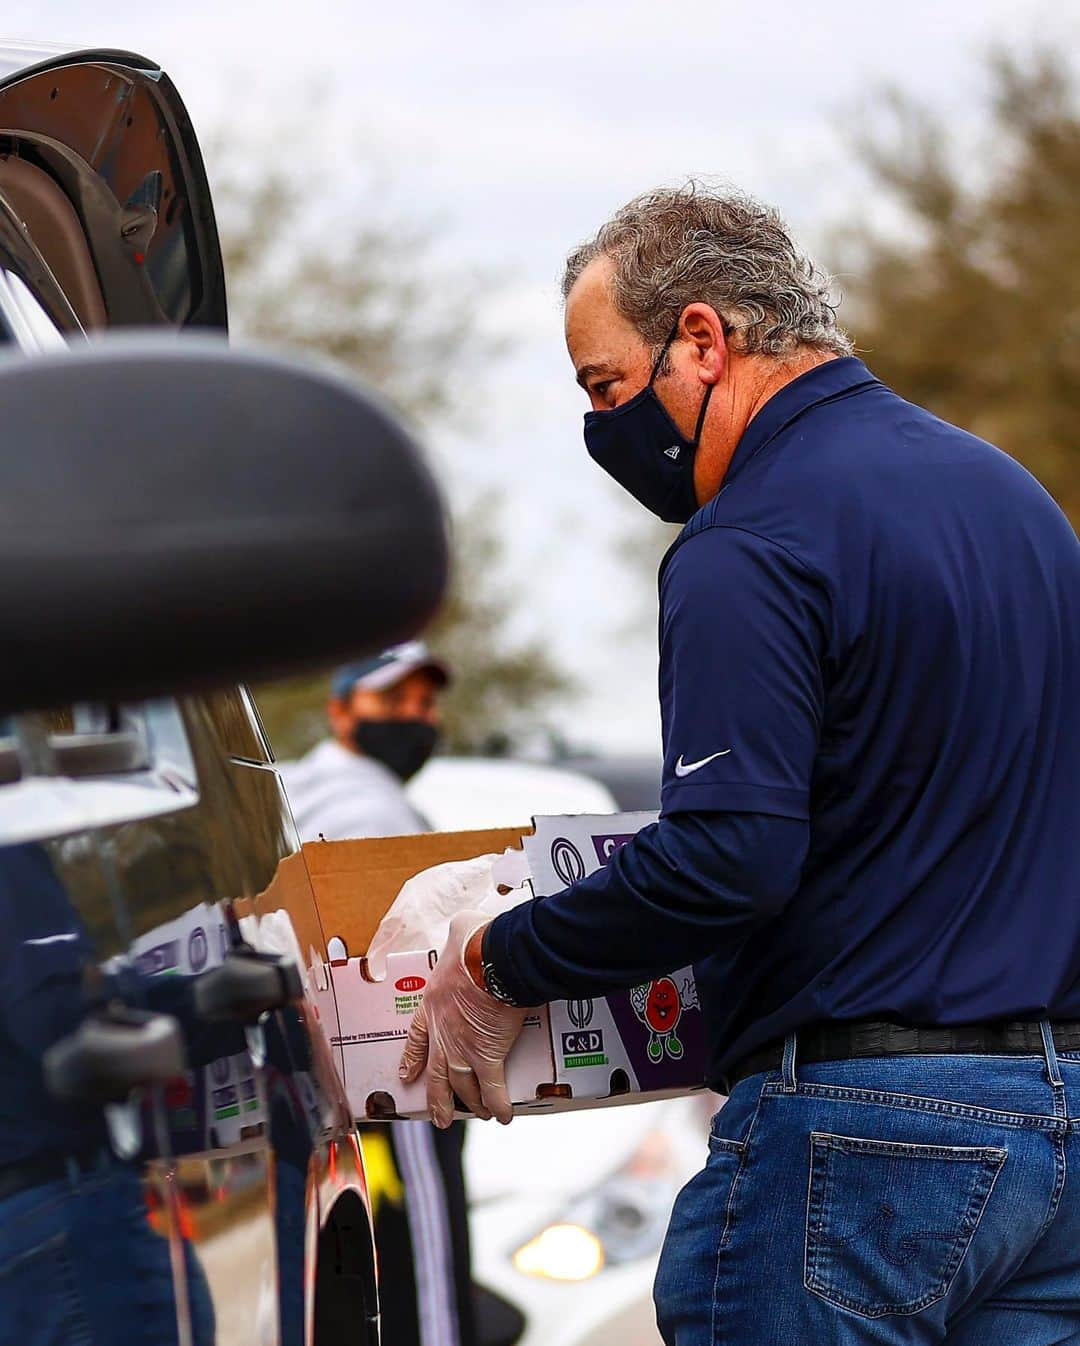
(1053, 1070)
(788, 1064)
(71, 1168)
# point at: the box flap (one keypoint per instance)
(290, 890)
(356, 881)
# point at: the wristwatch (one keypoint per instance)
(493, 984)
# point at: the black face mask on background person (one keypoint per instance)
(645, 451)
(402, 745)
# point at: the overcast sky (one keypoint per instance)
(520, 127)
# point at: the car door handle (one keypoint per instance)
(112, 1052)
(246, 985)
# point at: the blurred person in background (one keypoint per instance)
(384, 718)
(869, 657)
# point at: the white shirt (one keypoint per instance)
(335, 793)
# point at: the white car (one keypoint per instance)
(457, 794)
(569, 1211)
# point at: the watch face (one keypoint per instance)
(494, 986)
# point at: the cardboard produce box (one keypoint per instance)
(635, 1045)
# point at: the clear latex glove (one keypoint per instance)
(462, 1034)
(420, 914)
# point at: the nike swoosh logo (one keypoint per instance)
(687, 768)
(53, 939)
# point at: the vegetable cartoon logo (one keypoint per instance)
(659, 1005)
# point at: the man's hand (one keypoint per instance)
(462, 1033)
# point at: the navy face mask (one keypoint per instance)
(402, 745)
(645, 451)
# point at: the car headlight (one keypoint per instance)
(622, 1219)
(561, 1252)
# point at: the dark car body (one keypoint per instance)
(163, 825)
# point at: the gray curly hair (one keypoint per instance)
(677, 246)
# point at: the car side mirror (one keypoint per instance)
(176, 514)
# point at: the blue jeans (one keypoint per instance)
(909, 1199)
(81, 1266)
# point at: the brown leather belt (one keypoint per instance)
(851, 1041)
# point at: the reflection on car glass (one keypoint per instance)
(61, 1184)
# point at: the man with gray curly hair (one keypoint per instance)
(869, 660)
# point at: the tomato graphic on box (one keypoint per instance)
(659, 1005)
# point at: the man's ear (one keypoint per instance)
(704, 327)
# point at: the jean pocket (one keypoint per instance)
(888, 1223)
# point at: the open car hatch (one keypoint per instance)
(105, 210)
